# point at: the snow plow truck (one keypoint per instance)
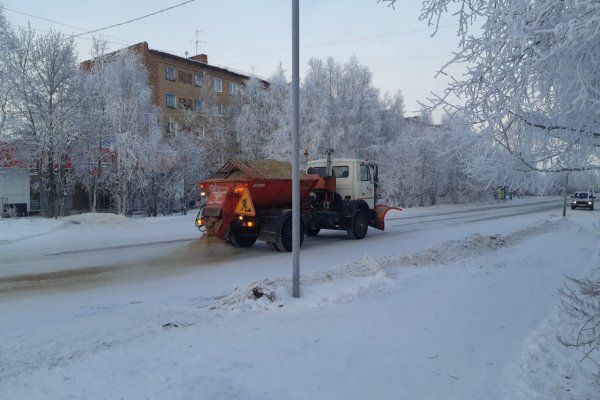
(250, 200)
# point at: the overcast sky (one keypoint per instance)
(255, 36)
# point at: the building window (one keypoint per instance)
(233, 88)
(199, 80)
(217, 85)
(171, 100)
(170, 73)
(197, 105)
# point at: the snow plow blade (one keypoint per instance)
(379, 221)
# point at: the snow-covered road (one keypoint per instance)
(97, 254)
(448, 303)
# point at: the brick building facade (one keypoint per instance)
(182, 84)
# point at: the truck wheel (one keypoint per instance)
(239, 239)
(284, 233)
(312, 231)
(360, 225)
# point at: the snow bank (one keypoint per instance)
(97, 218)
(38, 236)
(370, 273)
(339, 285)
(17, 229)
(472, 245)
(549, 370)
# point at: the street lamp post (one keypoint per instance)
(296, 147)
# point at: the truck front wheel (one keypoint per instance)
(360, 225)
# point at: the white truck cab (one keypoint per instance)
(355, 179)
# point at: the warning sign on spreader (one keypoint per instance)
(245, 206)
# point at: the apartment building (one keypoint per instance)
(181, 84)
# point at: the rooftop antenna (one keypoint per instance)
(198, 41)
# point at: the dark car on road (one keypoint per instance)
(583, 200)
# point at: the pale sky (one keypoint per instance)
(253, 37)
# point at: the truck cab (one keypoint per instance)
(355, 179)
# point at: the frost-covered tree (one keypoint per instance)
(188, 164)
(279, 117)
(44, 101)
(533, 82)
(92, 157)
(420, 164)
(580, 300)
(360, 110)
(213, 125)
(121, 150)
(392, 117)
(5, 89)
(318, 125)
(251, 128)
(340, 109)
(263, 125)
(426, 164)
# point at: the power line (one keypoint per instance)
(136, 19)
(324, 44)
(122, 41)
(375, 37)
(44, 19)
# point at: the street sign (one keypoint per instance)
(245, 206)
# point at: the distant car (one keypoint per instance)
(583, 200)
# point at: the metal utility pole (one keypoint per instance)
(565, 193)
(296, 147)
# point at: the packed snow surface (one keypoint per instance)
(448, 303)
